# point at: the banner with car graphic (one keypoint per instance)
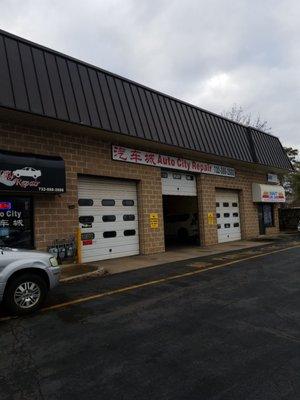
(31, 173)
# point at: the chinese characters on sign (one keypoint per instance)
(12, 224)
(16, 222)
(125, 154)
(11, 218)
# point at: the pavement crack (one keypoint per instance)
(25, 381)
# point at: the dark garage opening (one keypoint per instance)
(181, 220)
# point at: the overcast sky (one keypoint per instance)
(211, 53)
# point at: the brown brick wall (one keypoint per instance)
(207, 186)
(88, 155)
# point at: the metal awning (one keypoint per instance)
(31, 173)
(268, 193)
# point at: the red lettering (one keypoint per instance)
(24, 184)
(119, 152)
(135, 156)
(150, 158)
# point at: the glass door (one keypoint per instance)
(16, 222)
(265, 217)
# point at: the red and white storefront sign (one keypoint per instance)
(268, 193)
(125, 154)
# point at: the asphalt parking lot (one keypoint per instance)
(227, 333)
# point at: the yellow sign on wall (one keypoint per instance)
(210, 218)
(153, 220)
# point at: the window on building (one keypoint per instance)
(189, 177)
(108, 202)
(87, 236)
(128, 217)
(176, 176)
(85, 202)
(108, 218)
(129, 232)
(128, 203)
(86, 219)
(16, 222)
(109, 234)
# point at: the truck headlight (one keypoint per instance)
(53, 262)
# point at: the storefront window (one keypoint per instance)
(16, 222)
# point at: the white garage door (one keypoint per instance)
(178, 183)
(228, 216)
(108, 218)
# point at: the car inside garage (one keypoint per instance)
(180, 209)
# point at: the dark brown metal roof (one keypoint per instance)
(38, 80)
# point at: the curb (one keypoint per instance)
(100, 271)
(97, 273)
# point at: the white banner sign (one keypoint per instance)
(120, 153)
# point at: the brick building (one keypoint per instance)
(134, 169)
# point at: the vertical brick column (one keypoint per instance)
(248, 209)
(206, 204)
(150, 201)
(276, 218)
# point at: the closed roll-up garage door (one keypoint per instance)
(108, 218)
(228, 216)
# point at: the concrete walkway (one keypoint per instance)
(117, 265)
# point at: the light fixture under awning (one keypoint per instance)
(267, 193)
